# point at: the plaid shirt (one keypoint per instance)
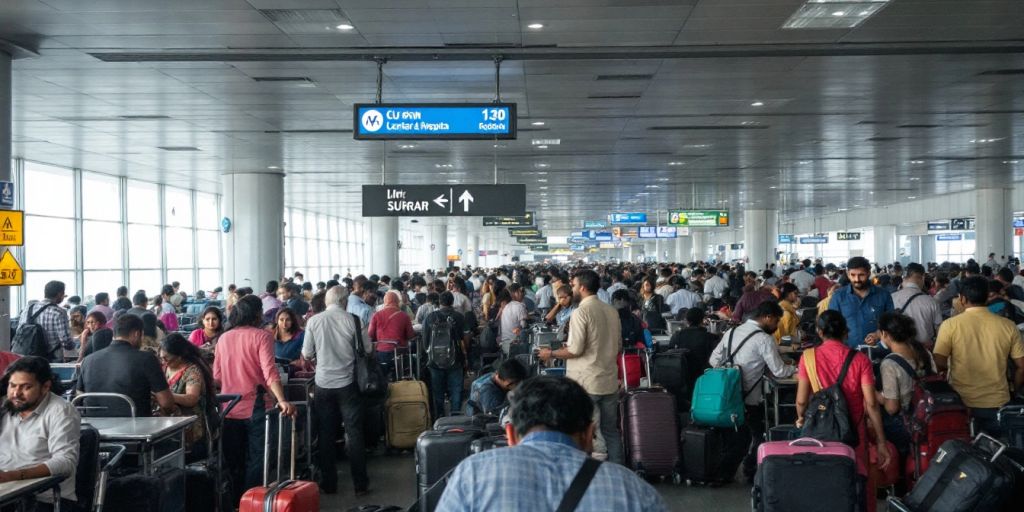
(535, 474)
(55, 325)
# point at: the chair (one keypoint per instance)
(119, 396)
(92, 471)
(227, 403)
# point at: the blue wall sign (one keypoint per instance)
(939, 226)
(6, 194)
(627, 218)
(594, 224)
(814, 239)
(225, 224)
(951, 237)
(1018, 223)
(786, 239)
(450, 121)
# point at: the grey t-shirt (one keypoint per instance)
(121, 368)
(896, 382)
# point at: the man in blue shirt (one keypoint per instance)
(861, 303)
(487, 394)
(357, 305)
(550, 436)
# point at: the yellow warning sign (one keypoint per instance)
(11, 273)
(12, 227)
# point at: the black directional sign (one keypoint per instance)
(531, 240)
(847, 236)
(443, 200)
(523, 221)
(539, 248)
(524, 231)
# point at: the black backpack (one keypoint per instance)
(828, 416)
(30, 338)
(441, 351)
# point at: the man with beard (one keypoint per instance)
(861, 303)
(39, 431)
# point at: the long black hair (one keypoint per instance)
(176, 345)
(832, 325)
(903, 330)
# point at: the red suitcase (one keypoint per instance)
(285, 495)
(632, 368)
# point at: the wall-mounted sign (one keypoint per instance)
(814, 239)
(938, 226)
(735, 247)
(847, 236)
(595, 224)
(539, 248)
(521, 221)
(12, 227)
(524, 231)
(627, 218)
(698, 218)
(449, 121)
(949, 237)
(787, 239)
(443, 201)
(962, 224)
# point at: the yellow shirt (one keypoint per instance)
(789, 323)
(977, 344)
(595, 335)
(823, 304)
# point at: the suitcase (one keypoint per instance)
(285, 495)
(939, 416)
(437, 452)
(631, 368)
(408, 413)
(558, 371)
(805, 475)
(784, 433)
(650, 432)
(1011, 420)
(134, 493)
(463, 421)
(702, 449)
(669, 370)
(961, 478)
(487, 443)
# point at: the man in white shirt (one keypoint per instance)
(545, 294)
(458, 288)
(803, 278)
(616, 284)
(682, 298)
(716, 286)
(918, 305)
(664, 287)
(513, 317)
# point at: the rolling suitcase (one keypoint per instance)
(408, 413)
(669, 370)
(631, 368)
(939, 416)
(437, 452)
(487, 443)
(1011, 420)
(806, 475)
(961, 478)
(702, 449)
(651, 433)
(783, 433)
(464, 421)
(285, 495)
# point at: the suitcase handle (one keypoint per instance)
(1000, 447)
(807, 441)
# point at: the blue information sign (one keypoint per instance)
(594, 224)
(814, 239)
(450, 121)
(577, 247)
(952, 237)
(1018, 223)
(6, 194)
(786, 239)
(627, 218)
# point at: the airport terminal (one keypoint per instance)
(461, 255)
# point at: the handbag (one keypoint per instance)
(370, 377)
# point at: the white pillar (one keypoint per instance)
(760, 234)
(473, 258)
(700, 245)
(993, 224)
(381, 246)
(885, 245)
(254, 245)
(928, 249)
(5, 175)
(438, 246)
(915, 249)
(684, 249)
(461, 242)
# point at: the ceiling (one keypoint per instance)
(658, 104)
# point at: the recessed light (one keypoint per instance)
(542, 180)
(773, 187)
(757, 104)
(542, 147)
(676, 163)
(344, 26)
(543, 188)
(653, 186)
(662, 179)
(917, 162)
(1011, 161)
(535, 26)
(273, 167)
(453, 181)
(443, 166)
(406, 146)
(839, 13)
(542, 166)
(911, 197)
(915, 178)
(538, 123)
(542, 173)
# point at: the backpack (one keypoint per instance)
(827, 417)
(441, 351)
(30, 338)
(903, 308)
(718, 394)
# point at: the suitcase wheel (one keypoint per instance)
(677, 478)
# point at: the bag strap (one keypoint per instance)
(810, 365)
(846, 366)
(911, 299)
(32, 316)
(903, 364)
(357, 340)
(579, 485)
(732, 356)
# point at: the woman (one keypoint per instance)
(559, 315)
(288, 335)
(191, 382)
(488, 296)
(213, 326)
(652, 305)
(390, 324)
(790, 322)
(93, 336)
(909, 361)
(858, 387)
(632, 328)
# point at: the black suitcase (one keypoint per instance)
(201, 495)
(461, 420)
(487, 443)
(960, 478)
(805, 482)
(437, 452)
(783, 433)
(702, 449)
(669, 369)
(1011, 420)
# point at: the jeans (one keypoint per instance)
(606, 416)
(446, 382)
(244, 444)
(985, 421)
(332, 407)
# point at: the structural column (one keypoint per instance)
(684, 249)
(253, 203)
(700, 245)
(474, 251)
(885, 245)
(5, 175)
(461, 242)
(993, 224)
(760, 234)
(381, 246)
(915, 249)
(438, 245)
(928, 249)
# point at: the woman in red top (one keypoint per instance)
(390, 324)
(858, 388)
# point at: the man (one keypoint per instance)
(991, 262)
(698, 341)
(1013, 291)
(716, 285)
(616, 283)
(140, 303)
(103, 306)
(291, 297)
(804, 278)
(39, 431)
(447, 381)
(122, 302)
(821, 282)
(682, 297)
(550, 422)
(758, 353)
(357, 302)
(269, 296)
(861, 303)
(488, 393)
(123, 368)
(753, 296)
(513, 317)
(591, 352)
(974, 346)
(457, 287)
(664, 286)
(52, 318)
(918, 305)
(545, 295)
(330, 340)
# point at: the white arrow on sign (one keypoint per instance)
(441, 200)
(465, 199)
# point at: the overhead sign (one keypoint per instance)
(512, 222)
(735, 247)
(1018, 223)
(594, 224)
(449, 121)
(6, 194)
(624, 233)
(11, 273)
(577, 247)
(599, 236)
(627, 218)
(938, 226)
(847, 236)
(524, 231)
(443, 200)
(786, 239)
(949, 237)
(698, 218)
(962, 224)
(12, 227)
(531, 240)
(539, 248)
(658, 232)
(814, 239)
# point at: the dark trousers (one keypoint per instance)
(896, 432)
(446, 382)
(985, 421)
(741, 444)
(332, 407)
(244, 445)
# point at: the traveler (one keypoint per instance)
(697, 341)
(550, 422)
(103, 306)
(139, 303)
(488, 394)
(330, 340)
(652, 304)
(682, 297)
(912, 300)
(176, 298)
(751, 347)
(999, 304)
(559, 315)
(664, 286)
(1013, 290)
(244, 365)
(393, 326)
(430, 304)
(861, 303)
(908, 361)
(287, 332)
(974, 347)
(753, 296)
(190, 380)
(269, 296)
(457, 286)
(359, 307)
(212, 327)
(291, 296)
(616, 285)
(122, 302)
(94, 323)
(821, 281)
(789, 325)
(446, 378)
(123, 368)
(632, 327)
(804, 278)
(591, 355)
(52, 318)
(858, 389)
(511, 316)
(39, 431)
(716, 286)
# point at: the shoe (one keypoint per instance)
(361, 492)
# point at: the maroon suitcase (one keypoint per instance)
(651, 433)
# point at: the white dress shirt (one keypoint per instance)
(758, 353)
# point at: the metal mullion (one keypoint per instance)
(162, 201)
(18, 176)
(79, 242)
(126, 266)
(195, 239)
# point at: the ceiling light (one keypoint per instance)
(911, 197)
(542, 173)
(662, 179)
(443, 166)
(757, 104)
(406, 146)
(643, 193)
(653, 186)
(773, 187)
(273, 167)
(344, 26)
(542, 166)
(543, 180)
(864, 13)
(841, 209)
(676, 163)
(816, 14)
(839, 13)
(543, 188)
(535, 26)
(915, 178)
(697, 146)
(538, 123)
(453, 181)
(542, 147)
(804, 162)
(1011, 161)
(917, 162)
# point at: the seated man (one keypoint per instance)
(39, 431)
(487, 394)
(552, 421)
(123, 368)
